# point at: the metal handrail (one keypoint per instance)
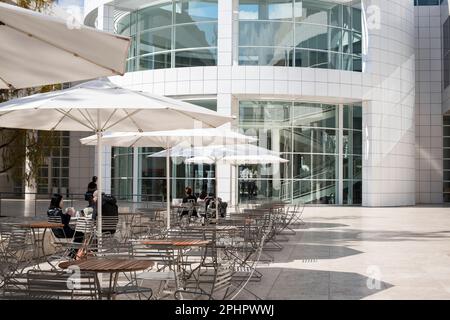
(71, 197)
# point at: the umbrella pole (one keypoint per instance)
(217, 196)
(168, 186)
(99, 189)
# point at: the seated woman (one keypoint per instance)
(55, 210)
(189, 198)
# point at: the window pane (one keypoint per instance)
(195, 11)
(324, 167)
(356, 20)
(352, 167)
(264, 33)
(325, 141)
(279, 10)
(318, 12)
(155, 16)
(198, 35)
(157, 61)
(352, 193)
(196, 58)
(265, 111)
(311, 36)
(154, 41)
(357, 64)
(265, 57)
(347, 17)
(262, 10)
(314, 115)
(274, 138)
(356, 43)
(318, 59)
(315, 140)
(353, 117)
(301, 166)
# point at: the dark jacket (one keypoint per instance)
(187, 199)
(109, 208)
(65, 219)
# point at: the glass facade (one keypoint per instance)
(151, 172)
(54, 175)
(122, 173)
(301, 33)
(446, 52)
(427, 2)
(446, 164)
(309, 136)
(178, 33)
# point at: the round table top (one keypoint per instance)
(215, 228)
(109, 265)
(177, 242)
(42, 225)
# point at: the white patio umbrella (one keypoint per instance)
(169, 139)
(232, 154)
(101, 106)
(38, 49)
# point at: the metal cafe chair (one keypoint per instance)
(15, 287)
(16, 249)
(69, 284)
(165, 272)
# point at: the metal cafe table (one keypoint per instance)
(111, 266)
(39, 238)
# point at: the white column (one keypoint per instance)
(105, 20)
(225, 33)
(136, 186)
(340, 186)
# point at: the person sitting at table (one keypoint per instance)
(109, 209)
(189, 198)
(56, 210)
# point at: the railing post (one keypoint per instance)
(35, 204)
(0, 204)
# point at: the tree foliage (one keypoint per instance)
(17, 145)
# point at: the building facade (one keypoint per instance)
(353, 93)
(329, 84)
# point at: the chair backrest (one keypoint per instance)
(15, 287)
(84, 225)
(65, 285)
(109, 223)
(59, 230)
(162, 255)
(15, 236)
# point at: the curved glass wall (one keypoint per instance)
(122, 173)
(178, 33)
(309, 136)
(301, 33)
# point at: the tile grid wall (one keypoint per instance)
(388, 109)
(428, 104)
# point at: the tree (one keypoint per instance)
(17, 145)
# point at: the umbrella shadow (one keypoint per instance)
(302, 284)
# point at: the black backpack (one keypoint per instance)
(109, 207)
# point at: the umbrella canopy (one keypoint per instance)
(38, 49)
(99, 106)
(219, 152)
(169, 139)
